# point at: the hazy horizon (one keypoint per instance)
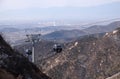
(63, 10)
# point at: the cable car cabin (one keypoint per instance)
(57, 48)
(28, 52)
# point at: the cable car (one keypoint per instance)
(57, 48)
(28, 52)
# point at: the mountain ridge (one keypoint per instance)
(87, 58)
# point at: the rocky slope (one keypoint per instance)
(87, 58)
(15, 66)
(116, 76)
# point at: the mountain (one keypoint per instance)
(56, 33)
(64, 35)
(86, 58)
(14, 65)
(102, 28)
(68, 35)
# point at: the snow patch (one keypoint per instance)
(106, 34)
(56, 60)
(76, 43)
(71, 47)
(115, 31)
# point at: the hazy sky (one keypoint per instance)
(59, 9)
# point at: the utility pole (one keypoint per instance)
(33, 38)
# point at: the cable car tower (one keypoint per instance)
(33, 38)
